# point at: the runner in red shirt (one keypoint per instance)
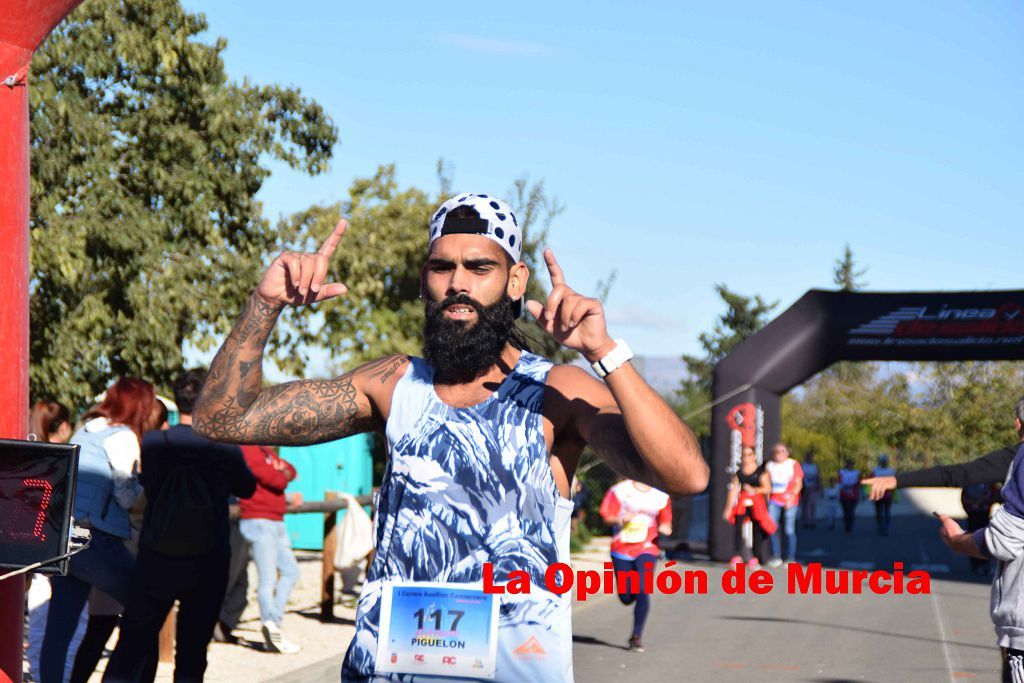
(638, 513)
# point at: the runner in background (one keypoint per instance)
(745, 503)
(787, 480)
(883, 505)
(637, 513)
(849, 493)
(811, 491)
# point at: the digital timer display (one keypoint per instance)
(37, 487)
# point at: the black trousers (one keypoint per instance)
(758, 537)
(198, 583)
(235, 597)
(849, 513)
(1013, 665)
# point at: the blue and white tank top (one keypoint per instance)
(465, 486)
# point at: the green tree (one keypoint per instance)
(847, 277)
(146, 161)
(852, 416)
(969, 407)
(744, 315)
(936, 413)
(845, 274)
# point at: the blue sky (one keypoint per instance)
(742, 143)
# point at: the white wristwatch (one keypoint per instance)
(614, 359)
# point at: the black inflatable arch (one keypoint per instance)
(823, 327)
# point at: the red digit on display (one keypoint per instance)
(44, 505)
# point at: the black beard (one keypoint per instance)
(460, 351)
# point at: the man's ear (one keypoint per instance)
(518, 276)
(1020, 427)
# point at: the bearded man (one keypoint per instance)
(483, 439)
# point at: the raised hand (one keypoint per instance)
(297, 279)
(879, 486)
(573, 320)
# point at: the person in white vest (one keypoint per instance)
(787, 481)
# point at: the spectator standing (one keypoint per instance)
(988, 469)
(883, 506)
(107, 488)
(745, 504)
(262, 526)
(848, 480)
(978, 500)
(787, 481)
(183, 550)
(580, 502)
(810, 493)
(49, 421)
(236, 595)
(1002, 539)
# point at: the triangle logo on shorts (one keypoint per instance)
(530, 647)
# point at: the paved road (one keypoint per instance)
(944, 636)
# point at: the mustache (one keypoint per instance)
(436, 309)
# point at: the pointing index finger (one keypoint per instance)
(332, 241)
(555, 270)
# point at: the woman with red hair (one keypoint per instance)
(106, 490)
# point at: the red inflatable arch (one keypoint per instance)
(23, 25)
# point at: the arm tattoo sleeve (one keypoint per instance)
(233, 407)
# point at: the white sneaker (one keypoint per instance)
(775, 562)
(275, 640)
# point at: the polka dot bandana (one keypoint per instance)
(496, 222)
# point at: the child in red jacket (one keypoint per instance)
(262, 525)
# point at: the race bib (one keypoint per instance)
(635, 530)
(440, 629)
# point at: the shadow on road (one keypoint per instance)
(315, 614)
(587, 640)
(855, 629)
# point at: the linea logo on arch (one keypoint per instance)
(945, 321)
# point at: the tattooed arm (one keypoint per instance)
(233, 407)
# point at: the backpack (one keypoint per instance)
(180, 521)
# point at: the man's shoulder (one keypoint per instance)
(567, 376)
(379, 377)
